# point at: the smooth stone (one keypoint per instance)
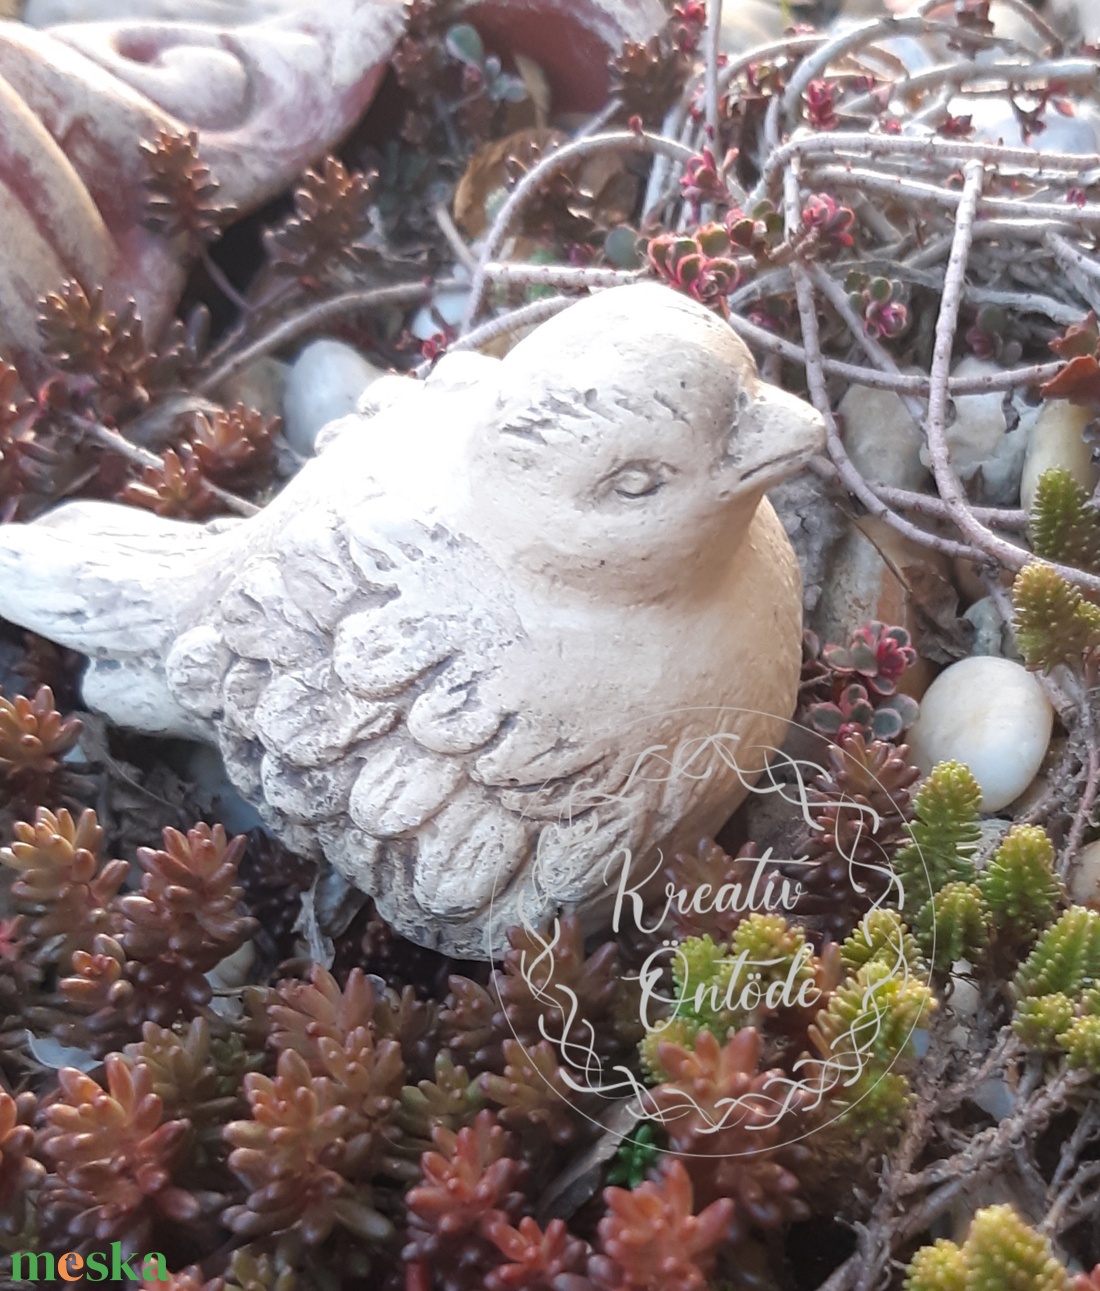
(325, 383)
(979, 423)
(450, 306)
(978, 438)
(1084, 876)
(994, 122)
(882, 439)
(1057, 439)
(991, 714)
(262, 385)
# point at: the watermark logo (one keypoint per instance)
(847, 1063)
(96, 1266)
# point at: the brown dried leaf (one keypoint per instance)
(940, 634)
(485, 173)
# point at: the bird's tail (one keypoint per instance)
(106, 580)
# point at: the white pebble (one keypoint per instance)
(1057, 440)
(882, 439)
(1084, 877)
(325, 383)
(991, 714)
(979, 425)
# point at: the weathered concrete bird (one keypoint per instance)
(484, 641)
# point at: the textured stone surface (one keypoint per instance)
(437, 655)
(267, 98)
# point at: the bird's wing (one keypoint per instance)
(346, 670)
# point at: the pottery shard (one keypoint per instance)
(75, 102)
(572, 41)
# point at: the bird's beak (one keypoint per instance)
(775, 436)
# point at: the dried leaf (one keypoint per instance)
(939, 633)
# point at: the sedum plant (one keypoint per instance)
(1000, 1253)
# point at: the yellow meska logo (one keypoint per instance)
(96, 1266)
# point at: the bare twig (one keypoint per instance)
(315, 316)
(548, 165)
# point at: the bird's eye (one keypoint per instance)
(636, 482)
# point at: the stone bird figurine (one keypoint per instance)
(480, 645)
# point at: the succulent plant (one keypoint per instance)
(859, 809)
(882, 936)
(1052, 621)
(1063, 525)
(881, 304)
(532, 1097)
(637, 1155)
(63, 885)
(304, 1154)
(831, 225)
(647, 78)
(34, 738)
(943, 835)
(113, 1155)
(330, 228)
(1019, 885)
(954, 924)
(700, 264)
(469, 1180)
(152, 963)
(1001, 1253)
(655, 1237)
(20, 1170)
(853, 689)
(83, 337)
(732, 1141)
(1065, 959)
(234, 448)
(182, 197)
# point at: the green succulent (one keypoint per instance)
(1081, 1041)
(636, 1155)
(1052, 620)
(1001, 1253)
(939, 1267)
(1063, 525)
(873, 1014)
(1065, 959)
(943, 834)
(1004, 1254)
(881, 935)
(1039, 1021)
(1019, 884)
(954, 925)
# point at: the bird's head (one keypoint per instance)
(632, 442)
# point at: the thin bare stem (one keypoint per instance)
(114, 442)
(316, 316)
(950, 153)
(566, 276)
(714, 34)
(852, 480)
(549, 165)
(947, 481)
(455, 240)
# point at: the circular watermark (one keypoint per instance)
(809, 1091)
